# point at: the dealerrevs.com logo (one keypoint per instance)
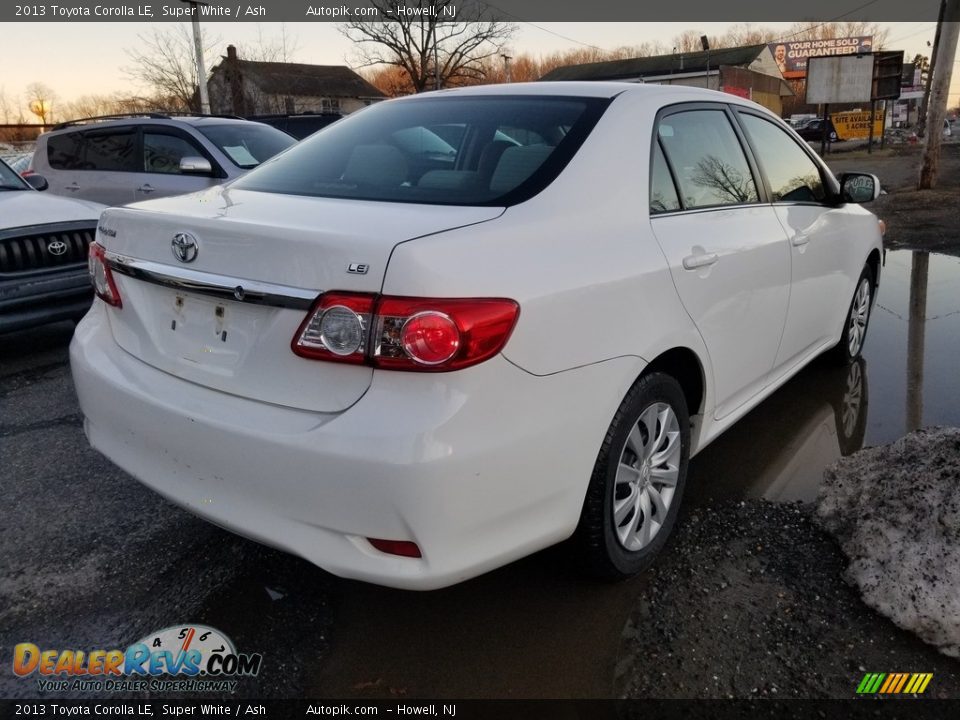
(183, 658)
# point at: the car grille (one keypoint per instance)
(45, 247)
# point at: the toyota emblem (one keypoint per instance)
(185, 247)
(57, 247)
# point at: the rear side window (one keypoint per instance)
(65, 151)
(492, 150)
(705, 153)
(104, 150)
(663, 193)
(792, 175)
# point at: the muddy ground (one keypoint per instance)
(915, 219)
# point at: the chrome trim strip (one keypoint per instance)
(219, 286)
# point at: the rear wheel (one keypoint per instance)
(638, 480)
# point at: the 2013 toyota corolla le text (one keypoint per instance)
(456, 328)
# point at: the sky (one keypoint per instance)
(76, 59)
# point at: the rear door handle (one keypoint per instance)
(692, 262)
(73, 187)
(148, 188)
(799, 240)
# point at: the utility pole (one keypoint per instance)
(922, 116)
(939, 94)
(198, 52)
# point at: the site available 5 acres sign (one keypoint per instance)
(856, 124)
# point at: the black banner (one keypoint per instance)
(463, 10)
(408, 709)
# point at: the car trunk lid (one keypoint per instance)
(223, 315)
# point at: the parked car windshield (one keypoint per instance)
(247, 144)
(491, 150)
(9, 180)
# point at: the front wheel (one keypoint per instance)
(638, 480)
(858, 317)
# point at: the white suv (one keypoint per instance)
(459, 327)
(116, 160)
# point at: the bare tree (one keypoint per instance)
(6, 107)
(429, 50)
(164, 63)
(40, 99)
(277, 48)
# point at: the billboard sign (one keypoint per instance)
(841, 79)
(792, 56)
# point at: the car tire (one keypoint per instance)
(637, 482)
(856, 321)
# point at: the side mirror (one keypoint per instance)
(195, 165)
(859, 187)
(37, 182)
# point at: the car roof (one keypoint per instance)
(661, 94)
(174, 120)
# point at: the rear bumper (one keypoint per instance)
(478, 467)
(40, 298)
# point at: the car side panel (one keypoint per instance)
(580, 259)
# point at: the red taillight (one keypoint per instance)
(403, 333)
(404, 548)
(102, 277)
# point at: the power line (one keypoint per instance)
(546, 30)
(818, 25)
(904, 37)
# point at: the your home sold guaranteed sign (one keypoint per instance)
(182, 658)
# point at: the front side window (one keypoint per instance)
(792, 175)
(704, 152)
(162, 153)
(442, 150)
(9, 180)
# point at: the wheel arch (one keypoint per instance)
(684, 366)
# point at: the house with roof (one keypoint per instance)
(249, 87)
(750, 71)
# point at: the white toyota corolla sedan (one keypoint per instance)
(459, 327)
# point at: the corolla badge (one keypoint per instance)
(57, 247)
(185, 247)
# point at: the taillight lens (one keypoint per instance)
(402, 333)
(336, 328)
(102, 277)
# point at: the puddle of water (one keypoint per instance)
(906, 379)
(913, 346)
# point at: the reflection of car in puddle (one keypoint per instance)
(780, 450)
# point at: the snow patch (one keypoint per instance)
(895, 511)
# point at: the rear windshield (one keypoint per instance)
(492, 150)
(247, 144)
